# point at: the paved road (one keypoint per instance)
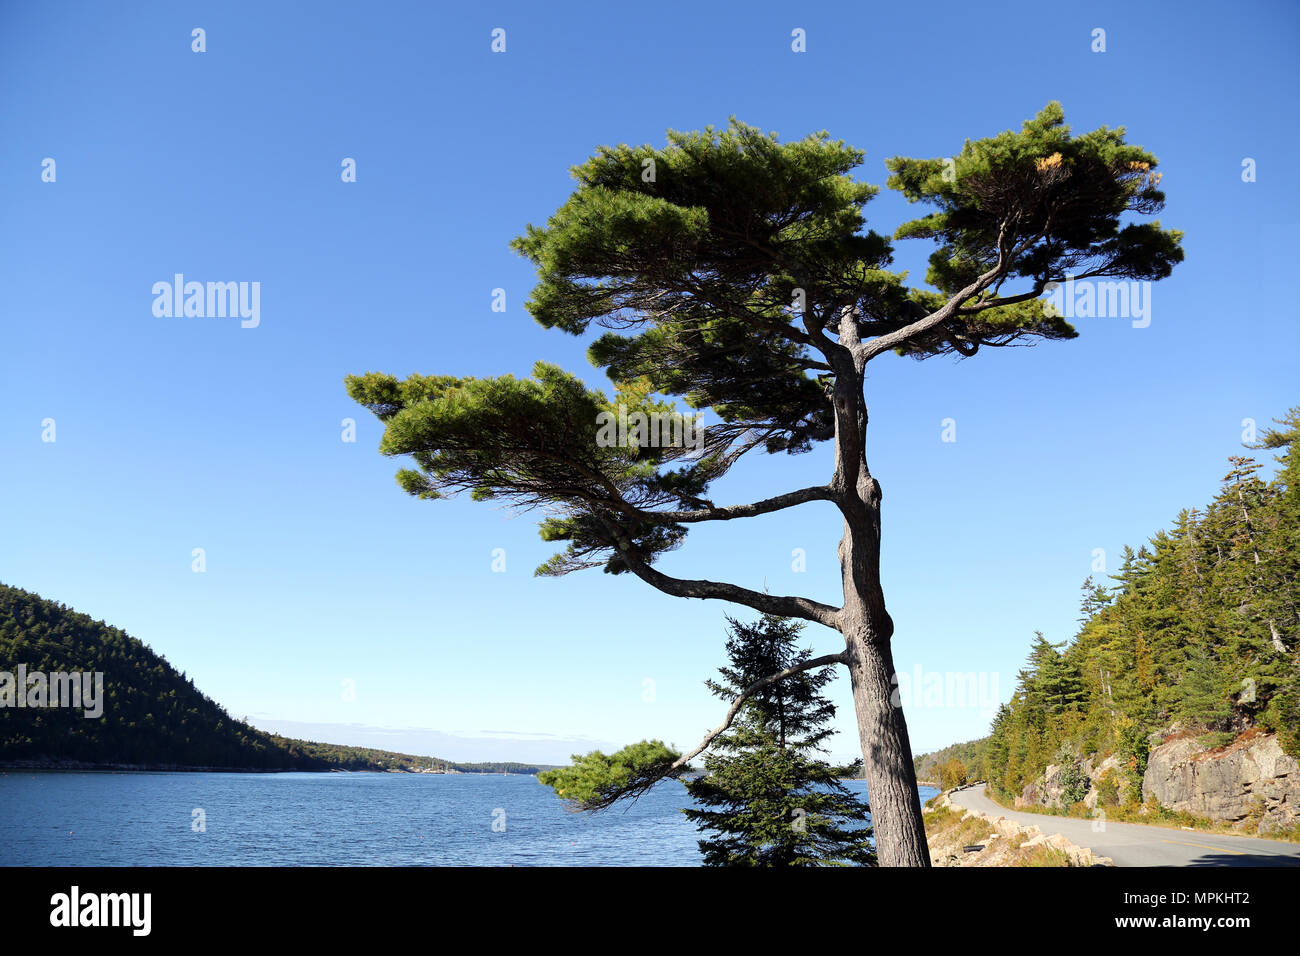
(1136, 844)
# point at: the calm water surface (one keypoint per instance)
(322, 819)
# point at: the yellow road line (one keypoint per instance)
(1206, 846)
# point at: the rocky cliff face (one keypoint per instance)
(1249, 779)
(1059, 782)
(1251, 782)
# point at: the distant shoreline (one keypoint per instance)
(136, 768)
(84, 767)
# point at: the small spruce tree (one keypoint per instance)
(765, 795)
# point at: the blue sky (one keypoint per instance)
(181, 433)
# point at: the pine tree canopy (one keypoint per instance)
(718, 263)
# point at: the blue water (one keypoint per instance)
(321, 819)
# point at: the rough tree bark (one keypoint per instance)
(867, 627)
(886, 753)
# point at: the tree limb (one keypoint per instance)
(727, 512)
(800, 607)
(644, 778)
(867, 351)
(750, 691)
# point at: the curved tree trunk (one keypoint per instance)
(867, 629)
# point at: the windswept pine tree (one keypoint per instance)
(735, 272)
(1201, 629)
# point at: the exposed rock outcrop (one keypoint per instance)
(1250, 779)
(1111, 769)
(1251, 783)
(1061, 781)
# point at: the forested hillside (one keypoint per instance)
(1199, 631)
(152, 715)
(954, 765)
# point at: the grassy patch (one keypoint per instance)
(947, 822)
(1044, 856)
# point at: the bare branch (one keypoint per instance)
(643, 779)
(727, 512)
(750, 691)
(883, 343)
(976, 307)
(800, 607)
